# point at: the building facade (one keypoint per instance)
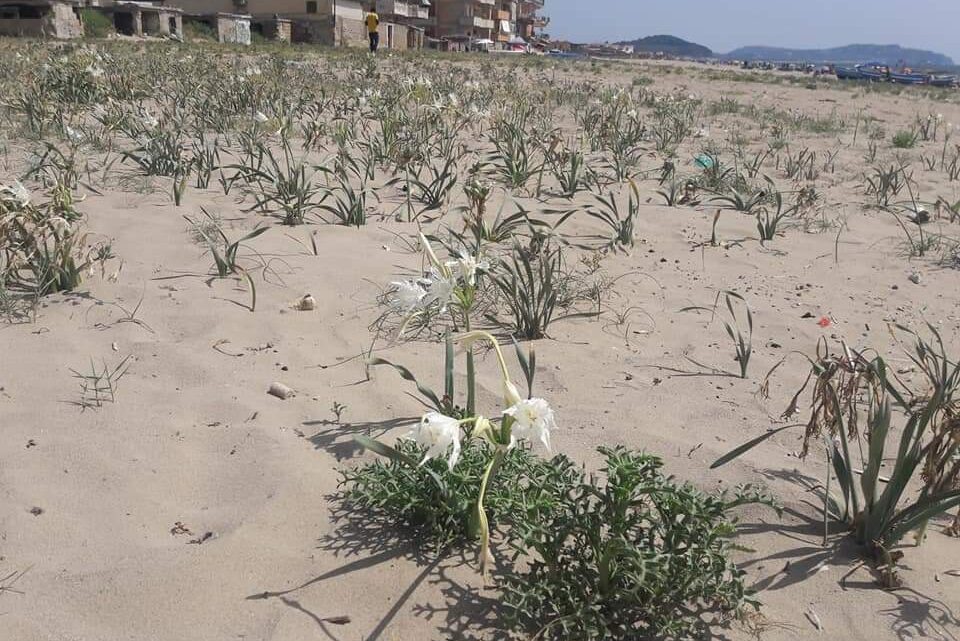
(41, 18)
(335, 23)
(530, 24)
(488, 22)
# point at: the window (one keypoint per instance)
(311, 6)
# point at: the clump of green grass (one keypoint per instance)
(96, 24)
(905, 139)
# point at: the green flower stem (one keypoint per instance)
(471, 371)
(484, 524)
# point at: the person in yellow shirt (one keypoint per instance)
(373, 26)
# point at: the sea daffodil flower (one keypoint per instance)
(407, 294)
(532, 419)
(468, 266)
(438, 433)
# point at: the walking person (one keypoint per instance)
(373, 26)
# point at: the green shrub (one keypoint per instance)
(635, 555)
(432, 501)
(96, 24)
(904, 139)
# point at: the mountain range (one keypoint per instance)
(887, 54)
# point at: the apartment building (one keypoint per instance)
(464, 19)
(530, 24)
(338, 23)
(497, 21)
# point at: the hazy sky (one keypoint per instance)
(723, 25)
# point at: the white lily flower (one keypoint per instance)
(532, 419)
(149, 121)
(73, 134)
(438, 433)
(469, 265)
(439, 289)
(407, 294)
(260, 117)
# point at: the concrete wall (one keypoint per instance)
(350, 9)
(279, 30)
(233, 30)
(56, 21)
(31, 27)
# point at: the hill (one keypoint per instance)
(669, 45)
(887, 54)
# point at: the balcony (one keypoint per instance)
(403, 9)
(393, 8)
(477, 22)
(538, 22)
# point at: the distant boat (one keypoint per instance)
(873, 71)
(909, 78)
(943, 80)
(878, 72)
(848, 73)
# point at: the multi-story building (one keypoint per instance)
(464, 20)
(413, 15)
(329, 22)
(496, 21)
(530, 24)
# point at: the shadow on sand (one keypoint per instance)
(365, 543)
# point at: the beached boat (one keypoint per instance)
(873, 71)
(909, 78)
(847, 73)
(878, 72)
(943, 80)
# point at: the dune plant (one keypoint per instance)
(284, 185)
(620, 224)
(514, 158)
(44, 247)
(770, 216)
(226, 252)
(885, 183)
(571, 172)
(860, 409)
(742, 337)
(433, 191)
(530, 286)
(746, 201)
(530, 419)
(626, 554)
(801, 165)
(905, 139)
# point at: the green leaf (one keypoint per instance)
(919, 513)
(408, 375)
(746, 447)
(392, 453)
